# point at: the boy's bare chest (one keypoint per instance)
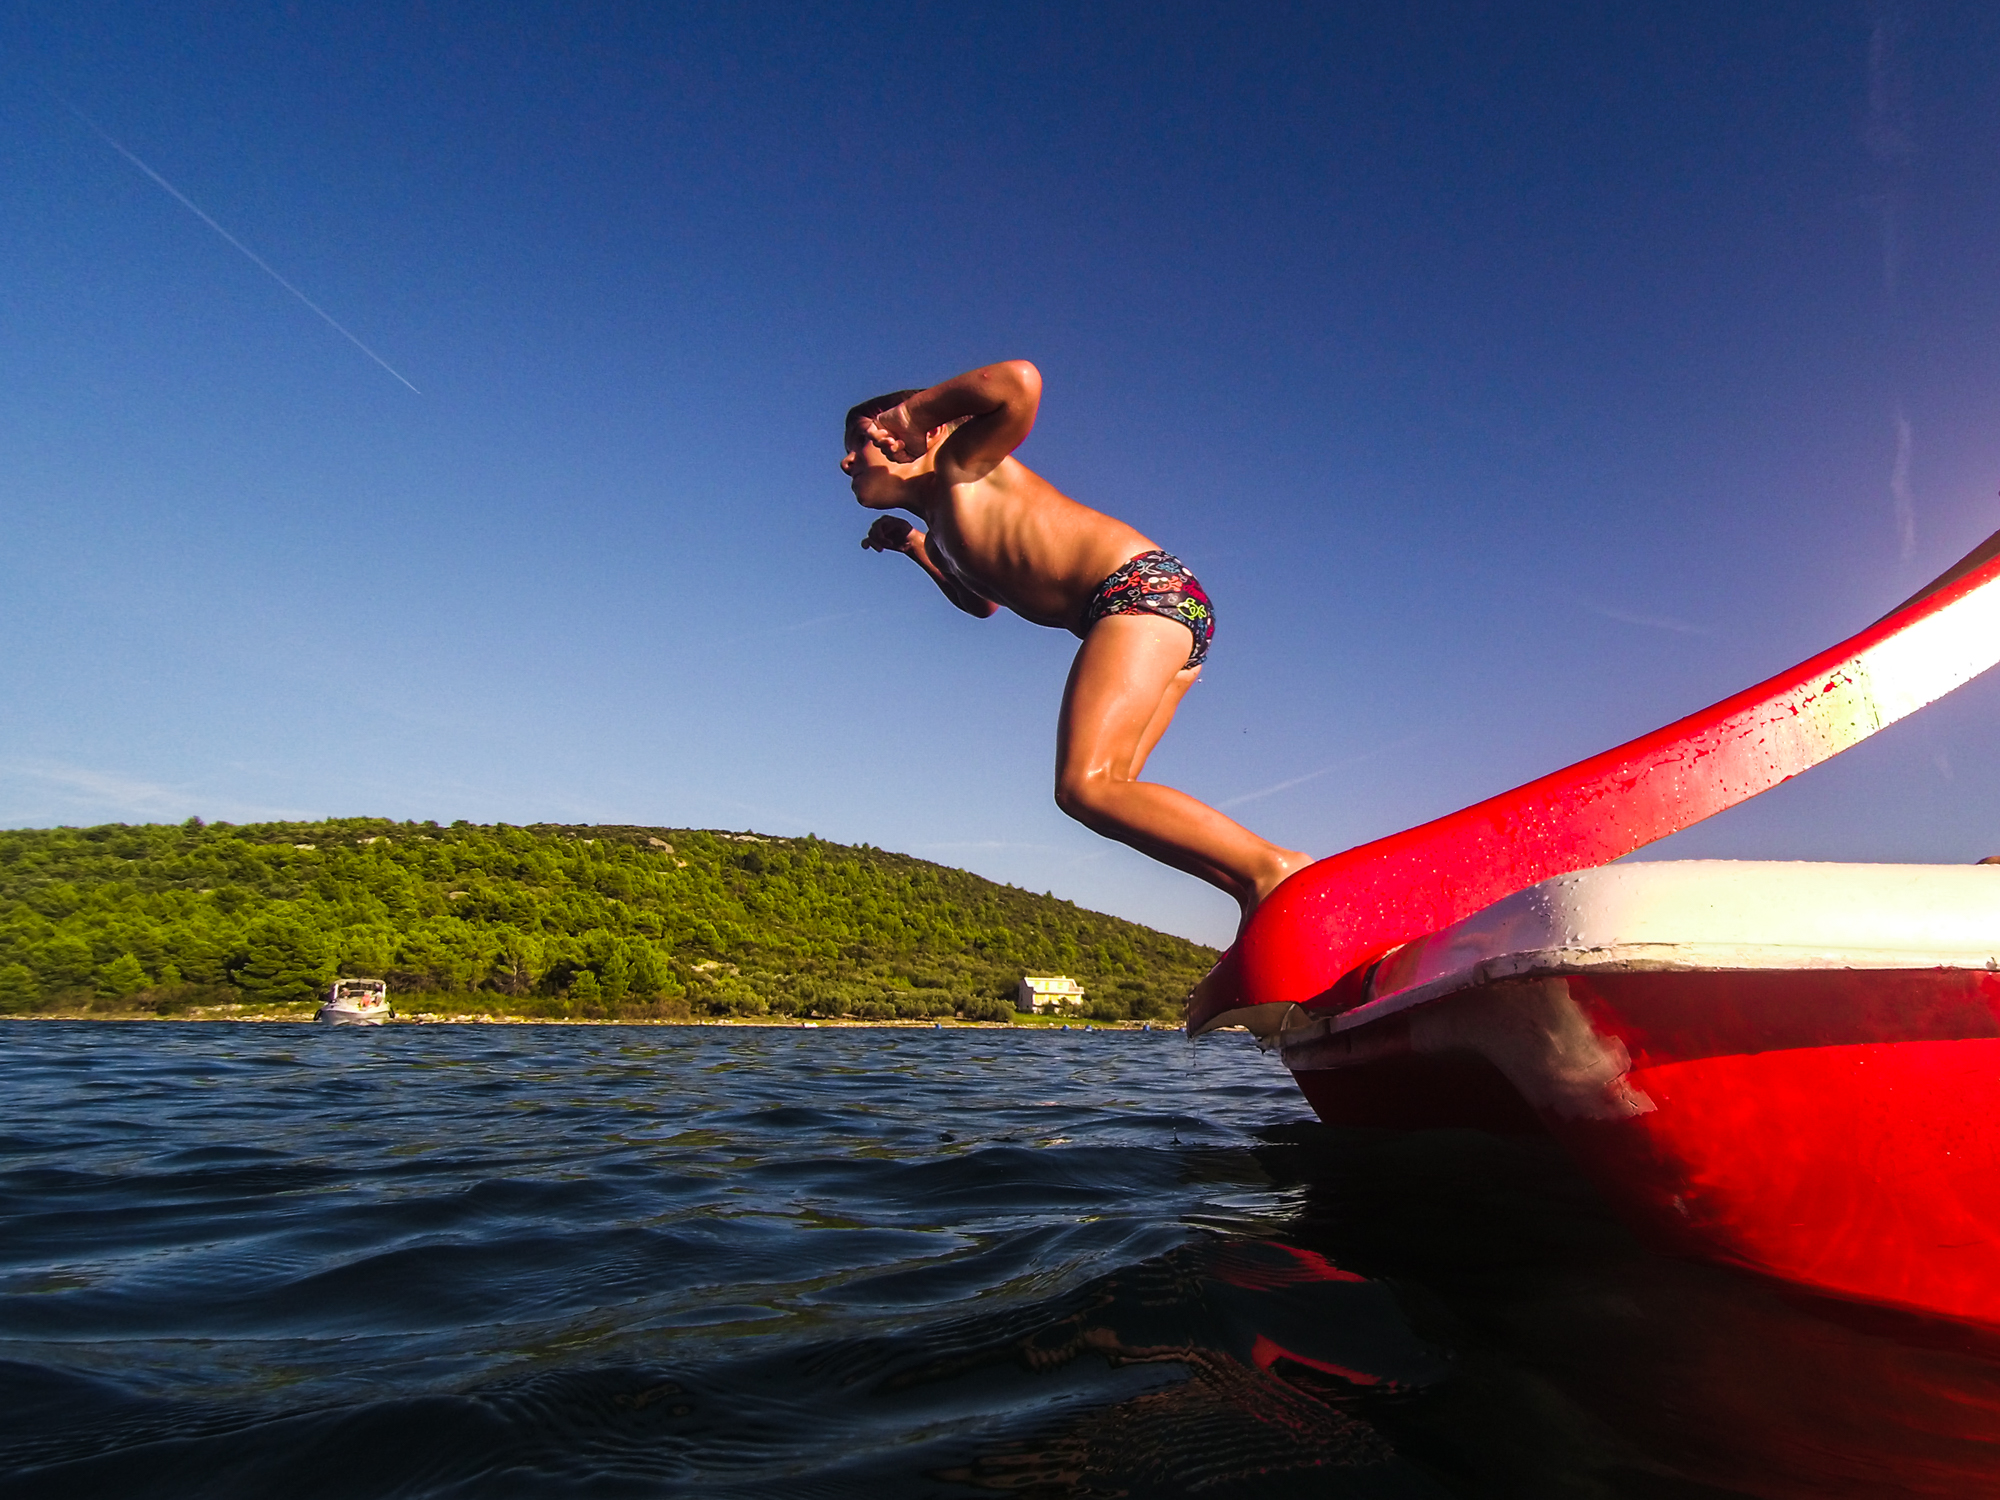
(981, 536)
(956, 528)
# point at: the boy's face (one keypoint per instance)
(877, 483)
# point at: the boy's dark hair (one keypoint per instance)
(874, 406)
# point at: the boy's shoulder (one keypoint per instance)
(1009, 478)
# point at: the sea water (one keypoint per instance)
(720, 1261)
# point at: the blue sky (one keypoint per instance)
(1518, 378)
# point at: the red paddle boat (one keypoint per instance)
(1794, 1068)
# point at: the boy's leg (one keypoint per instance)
(1127, 680)
(1163, 716)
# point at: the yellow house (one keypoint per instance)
(1049, 992)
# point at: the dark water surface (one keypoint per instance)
(552, 1261)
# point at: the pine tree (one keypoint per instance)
(18, 990)
(122, 977)
(284, 961)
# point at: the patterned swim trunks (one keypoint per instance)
(1156, 583)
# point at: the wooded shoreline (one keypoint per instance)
(549, 923)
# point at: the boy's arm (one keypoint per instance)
(894, 534)
(1002, 401)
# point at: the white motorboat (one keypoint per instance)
(356, 1002)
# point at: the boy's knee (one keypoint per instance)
(1080, 796)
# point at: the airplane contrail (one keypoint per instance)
(1655, 622)
(1339, 765)
(257, 260)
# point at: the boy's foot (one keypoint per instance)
(1288, 863)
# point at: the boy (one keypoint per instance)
(1000, 534)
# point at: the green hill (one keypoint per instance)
(544, 921)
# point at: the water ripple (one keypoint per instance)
(459, 1261)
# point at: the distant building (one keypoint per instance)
(1049, 992)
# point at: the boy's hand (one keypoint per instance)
(900, 439)
(888, 534)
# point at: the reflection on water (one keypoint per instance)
(625, 1261)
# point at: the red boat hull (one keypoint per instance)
(1836, 1129)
